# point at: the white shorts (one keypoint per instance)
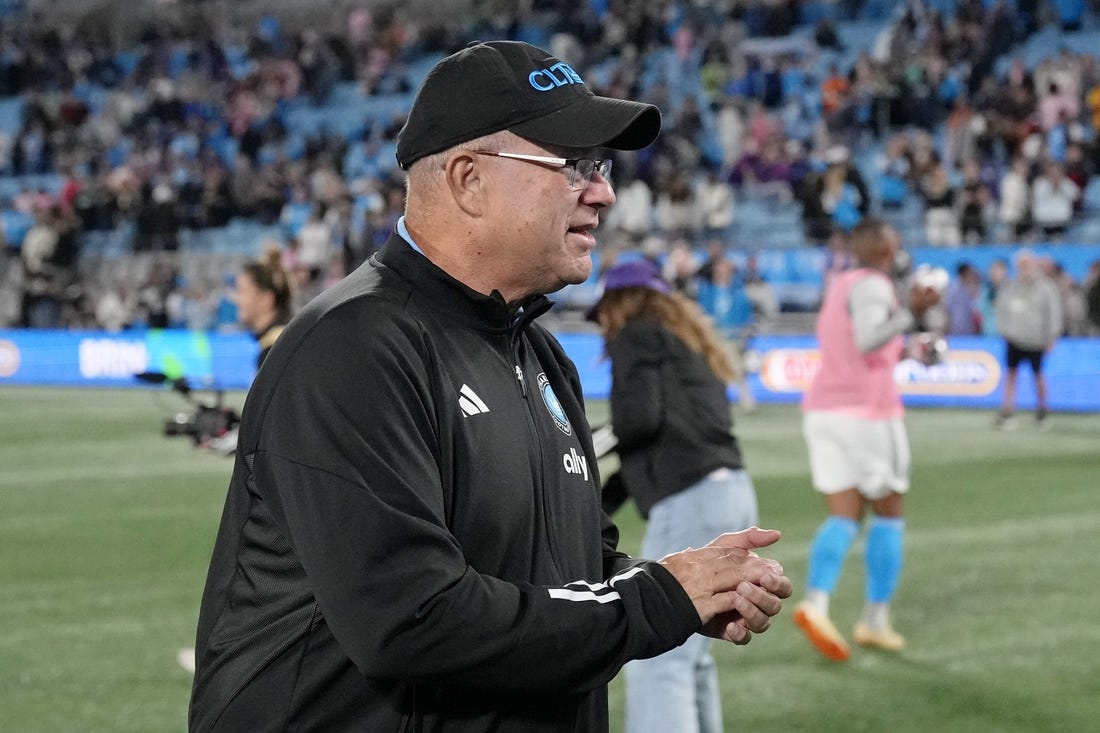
(851, 452)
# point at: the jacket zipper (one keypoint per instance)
(522, 381)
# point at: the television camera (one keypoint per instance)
(208, 420)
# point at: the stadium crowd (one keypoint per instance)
(285, 135)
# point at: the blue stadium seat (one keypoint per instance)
(107, 245)
(813, 11)
(345, 92)
(12, 186)
(772, 264)
(807, 265)
(11, 115)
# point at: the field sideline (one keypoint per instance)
(106, 528)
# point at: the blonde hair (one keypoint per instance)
(677, 313)
(268, 275)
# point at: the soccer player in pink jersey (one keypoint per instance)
(858, 448)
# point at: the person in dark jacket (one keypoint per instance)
(263, 299)
(262, 295)
(679, 459)
(412, 538)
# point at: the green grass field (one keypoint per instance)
(106, 526)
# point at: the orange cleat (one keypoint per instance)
(822, 633)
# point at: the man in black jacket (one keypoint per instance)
(412, 538)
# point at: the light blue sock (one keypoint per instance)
(884, 556)
(827, 552)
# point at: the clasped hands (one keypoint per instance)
(735, 591)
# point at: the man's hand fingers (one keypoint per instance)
(737, 632)
(748, 539)
(757, 606)
(777, 583)
(728, 627)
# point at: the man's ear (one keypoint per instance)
(465, 181)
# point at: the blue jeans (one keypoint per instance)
(678, 690)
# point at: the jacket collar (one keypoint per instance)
(437, 290)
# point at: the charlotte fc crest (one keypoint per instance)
(552, 405)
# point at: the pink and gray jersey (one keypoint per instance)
(859, 337)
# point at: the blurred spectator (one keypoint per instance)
(315, 245)
(297, 211)
(716, 251)
(1092, 100)
(40, 243)
(114, 308)
(1029, 316)
(675, 211)
(974, 198)
(1057, 105)
(1074, 307)
(834, 97)
(730, 130)
(42, 280)
(722, 296)
(893, 172)
(1091, 287)
(765, 301)
(996, 277)
(764, 171)
(226, 314)
(11, 290)
(681, 268)
(715, 200)
(633, 212)
(941, 220)
(834, 200)
(825, 35)
(151, 307)
(962, 302)
(1015, 207)
(158, 218)
(960, 140)
(1077, 171)
(199, 306)
(1052, 200)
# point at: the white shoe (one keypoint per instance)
(885, 638)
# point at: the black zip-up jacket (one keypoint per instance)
(412, 538)
(670, 414)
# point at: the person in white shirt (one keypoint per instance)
(1015, 208)
(1052, 199)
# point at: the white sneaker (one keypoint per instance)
(885, 638)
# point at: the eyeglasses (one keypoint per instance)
(581, 170)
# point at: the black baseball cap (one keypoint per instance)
(510, 85)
